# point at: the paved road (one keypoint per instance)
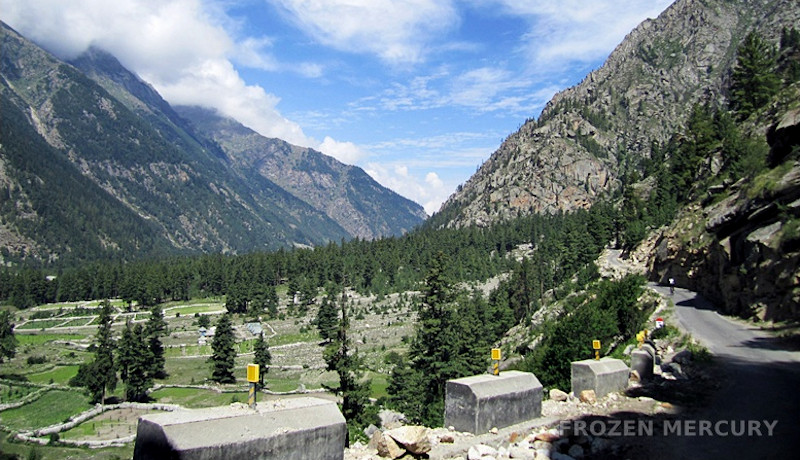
(761, 384)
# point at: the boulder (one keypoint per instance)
(588, 396)
(413, 438)
(387, 447)
(558, 395)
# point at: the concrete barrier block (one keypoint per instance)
(642, 362)
(477, 404)
(604, 376)
(292, 429)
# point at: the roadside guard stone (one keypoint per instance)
(479, 403)
(290, 429)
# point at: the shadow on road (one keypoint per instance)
(738, 410)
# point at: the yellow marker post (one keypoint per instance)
(253, 378)
(496, 357)
(596, 346)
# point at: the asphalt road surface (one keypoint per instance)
(759, 389)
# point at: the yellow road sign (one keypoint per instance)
(595, 344)
(252, 373)
(496, 354)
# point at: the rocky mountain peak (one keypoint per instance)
(589, 135)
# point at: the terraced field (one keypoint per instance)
(53, 340)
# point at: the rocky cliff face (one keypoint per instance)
(742, 247)
(588, 135)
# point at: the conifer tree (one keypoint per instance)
(262, 357)
(223, 354)
(754, 79)
(156, 327)
(272, 302)
(327, 320)
(8, 343)
(348, 365)
(100, 375)
(134, 363)
(441, 350)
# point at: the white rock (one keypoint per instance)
(481, 451)
(519, 452)
(414, 438)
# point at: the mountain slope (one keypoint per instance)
(151, 166)
(189, 195)
(345, 193)
(589, 136)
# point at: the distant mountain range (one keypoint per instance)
(95, 164)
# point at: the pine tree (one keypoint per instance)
(156, 327)
(348, 365)
(272, 302)
(8, 343)
(134, 363)
(100, 375)
(262, 357)
(439, 351)
(754, 79)
(327, 320)
(223, 354)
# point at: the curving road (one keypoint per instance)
(760, 385)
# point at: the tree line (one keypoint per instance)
(394, 264)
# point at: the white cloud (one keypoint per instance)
(346, 152)
(563, 31)
(397, 31)
(427, 189)
(179, 46)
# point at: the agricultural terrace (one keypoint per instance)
(54, 339)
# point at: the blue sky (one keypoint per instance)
(417, 92)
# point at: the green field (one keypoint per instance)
(23, 451)
(52, 407)
(60, 375)
(12, 393)
(42, 324)
(39, 339)
(196, 397)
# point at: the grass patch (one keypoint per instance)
(76, 322)
(39, 339)
(378, 385)
(51, 408)
(41, 324)
(60, 375)
(24, 450)
(9, 393)
(196, 398)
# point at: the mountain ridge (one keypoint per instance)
(589, 135)
(117, 131)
